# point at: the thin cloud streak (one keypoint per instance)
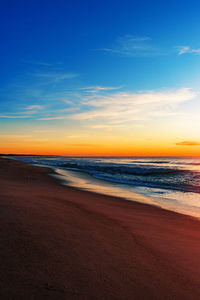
(94, 89)
(129, 45)
(53, 118)
(187, 49)
(34, 107)
(188, 143)
(124, 107)
(56, 76)
(39, 63)
(13, 117)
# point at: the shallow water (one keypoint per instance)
(169, 182)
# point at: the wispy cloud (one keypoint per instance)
(121, 108)
(28, 112)
(56, 76)
(187, 49)
(118, 109)
(38, 63)
(130, 45)
(94, 106)
(34, 107)
(188, 143)
(14, 117)
(94, 89)
(53, 118)
(58, 114)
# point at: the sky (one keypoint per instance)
(89, 78)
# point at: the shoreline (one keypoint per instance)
(59, 242)
(178, 200)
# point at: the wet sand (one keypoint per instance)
(58, 242)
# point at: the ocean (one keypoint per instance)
(169, 182)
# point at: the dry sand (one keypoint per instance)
(57, 242)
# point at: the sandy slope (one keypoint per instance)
(57, 242)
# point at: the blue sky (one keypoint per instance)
(98, 64)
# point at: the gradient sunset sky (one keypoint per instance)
(100, 77)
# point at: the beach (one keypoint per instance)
(58, 242)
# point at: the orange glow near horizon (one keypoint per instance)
(113, 149)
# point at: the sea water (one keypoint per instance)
(168, 182)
